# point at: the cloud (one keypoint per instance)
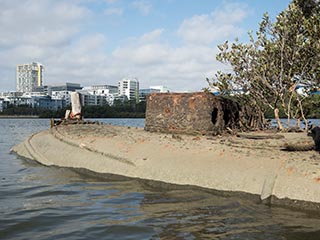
(143, 55)
(231, 13)
(220, 24)
(144, 7)
(80, 61)
(36, 31)
(113, 11)
(31, 22)
(155, 62)
(56, 34)
(152, 36)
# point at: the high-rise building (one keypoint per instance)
(129, 88)
(29, 77)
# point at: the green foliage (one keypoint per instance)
(278, 56)
(129, 109)
(311, 106)
(46, 113)
(20, 110)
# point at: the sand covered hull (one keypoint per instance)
(233, 164)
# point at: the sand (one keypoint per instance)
(227, 163)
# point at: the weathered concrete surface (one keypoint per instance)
(223, 163)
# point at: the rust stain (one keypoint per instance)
(172, 128)
(290, 171)
(192, 103)
(175, 99)
(221, 153)
(141, 140)
(317, 179)
(167, 111)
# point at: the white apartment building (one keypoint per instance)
(129, 88)
(108, 92)
(63, 91)
(143, 93)
(162, 89)
(63, 95)
(88, 99)
(102, 89)
(29, 77)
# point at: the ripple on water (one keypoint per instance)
(38, 202)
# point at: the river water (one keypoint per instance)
(38, 202)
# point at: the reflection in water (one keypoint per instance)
(38, 202)
(199, 215)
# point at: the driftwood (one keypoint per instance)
(299, 146)
(307, 145)
(261, 136)
(54, 122)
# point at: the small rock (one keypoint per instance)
(174, 136)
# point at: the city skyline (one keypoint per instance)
(168, 42)
(29, 80)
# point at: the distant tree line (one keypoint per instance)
(21, 110)
(129, 109)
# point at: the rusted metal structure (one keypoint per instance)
(192, 113)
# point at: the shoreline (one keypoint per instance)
(228, 164)
(18, 116)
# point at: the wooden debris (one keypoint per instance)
(299, 146)
(260, 136)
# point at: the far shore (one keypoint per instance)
(18, 116)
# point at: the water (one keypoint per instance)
(38, 202)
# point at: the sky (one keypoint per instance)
(160, 42)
